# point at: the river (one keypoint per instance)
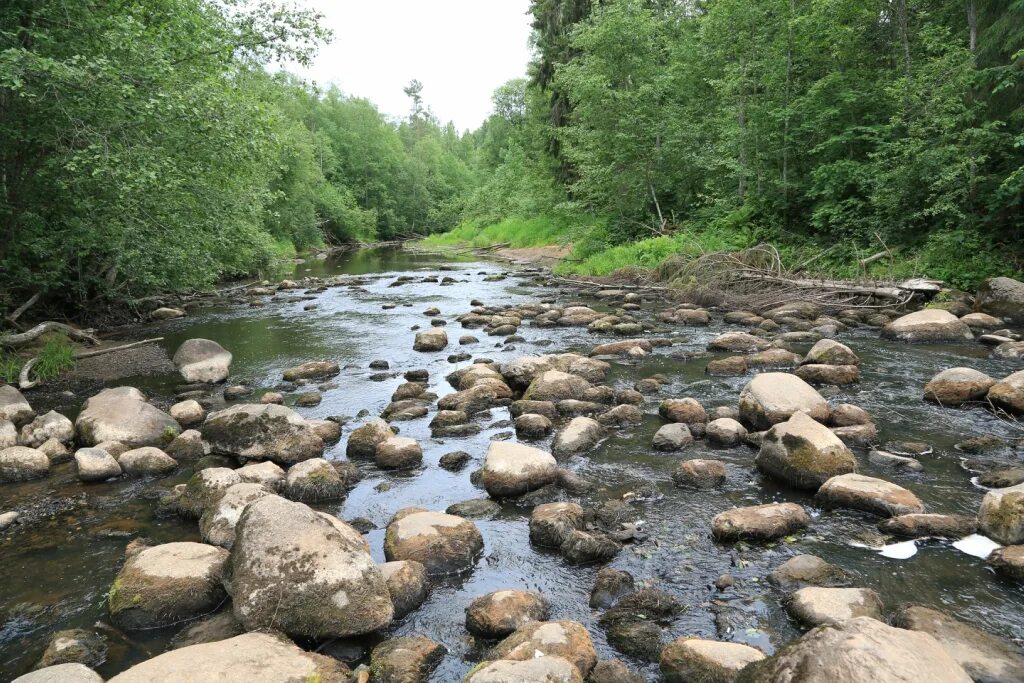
(58, 568)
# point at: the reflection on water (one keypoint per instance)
(57, 570)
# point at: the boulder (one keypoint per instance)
(1009, 561)
(579, 436)
(685, 410)
(672, 437)
(186, 446)
(8, 434)
(614, 671)
(363, 441)
(166, 313)
(543, 669)
(808, 570)
(399, 453)
(512, 469)
(19, 463)
(146, 461)
(803, 453)
(408, 584)
(623, 415)
(204, 489)
(848, 415)
(406, 659)
(860, 650)
(165, 584)
(544, 408)
(305, 573)
(219, 626)
(188, 413)
(759, 522)
(555, 385)
(774, 397)
(532, 426)
(689, 659)
(737, 342)
(314, 369)
(552, 523)
(567, 639)
(61, 673)
(1001, 516)
(837, 375)
(584, 547)
(1008, 394)
(444, 544)
(1003, 297)
(314, 480)
(74, 646)
(928, 325)
(250, 657)
(53, 449)
(774, 359)
(733, 366)
(217, 524)
(95, 464)
(987, 658)
(13, 406)
(262, 432)
(1009, 350)
(816, 605)
(956, 386)
(122, 414)
(923, 524)
(981, 322)
(830, 352)
(267, 473)
(202, 360)
(610, 585)
(434, 339)
(52, 425)
(877, 496)
(699, 474)
(725, 431)
(500, 613)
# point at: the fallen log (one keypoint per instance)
(894, 292)
(112, 349)
(13, 341)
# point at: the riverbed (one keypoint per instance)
(59, 564)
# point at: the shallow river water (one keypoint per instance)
(59, 564)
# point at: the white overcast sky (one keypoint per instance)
(461, 50)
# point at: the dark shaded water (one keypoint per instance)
(58, 568)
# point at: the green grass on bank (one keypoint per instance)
(519, 232)
(55, 357)
(961, 258)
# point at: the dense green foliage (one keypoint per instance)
(144, 148)
(855, 125)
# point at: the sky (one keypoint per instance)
(461, 50)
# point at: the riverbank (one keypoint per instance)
(960, 259)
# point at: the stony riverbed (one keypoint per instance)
(363, 311)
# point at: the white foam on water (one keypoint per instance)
(976, 545)
(899, 551)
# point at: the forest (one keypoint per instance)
(150, 147)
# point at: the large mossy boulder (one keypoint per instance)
(803, 453)
(443, 543)
(512, 469)
(166, 584)
(1002, 297)
(956, 386)
(304, 573)
(13, 406)
(1008, 394)
(1002, 515)
(568, 639)
(262, 432)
